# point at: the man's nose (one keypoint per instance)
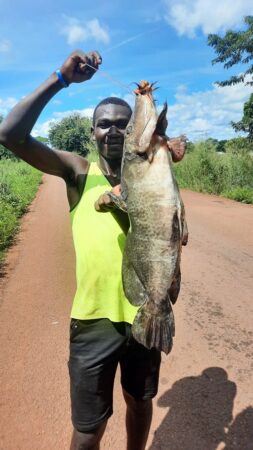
(113, 130)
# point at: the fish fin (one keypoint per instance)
(177, 147)
(132, 285)
(180, 221)
(154, 331)
(162, 121)
(175, 286)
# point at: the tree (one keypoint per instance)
(234, 48)
(42, 139)
(246, 123)
(72, 134)
(238, 146)
(221, 146)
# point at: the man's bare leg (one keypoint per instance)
(88, 441)
(138, 421)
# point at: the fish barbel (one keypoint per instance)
(151, 260)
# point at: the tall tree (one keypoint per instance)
(246, 123)
(72, 134)
(234, 48)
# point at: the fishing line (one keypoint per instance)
(110, 78)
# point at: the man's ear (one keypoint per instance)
(92, 132)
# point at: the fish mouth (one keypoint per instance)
(145, 88)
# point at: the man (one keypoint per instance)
(100, 332)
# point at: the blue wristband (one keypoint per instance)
(61, 79)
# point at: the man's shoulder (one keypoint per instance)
(79, 167)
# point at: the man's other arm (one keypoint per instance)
(15, 130)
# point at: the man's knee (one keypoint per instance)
(87, 440)
(137, 406)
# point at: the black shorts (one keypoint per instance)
(96, 348)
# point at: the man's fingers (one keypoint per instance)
(84, 60)
(104, 199)
(89, 63)
(103, 204)
(97, 58)
(93, 59)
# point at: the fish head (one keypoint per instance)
(145, 124)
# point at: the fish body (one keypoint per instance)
(151, 259)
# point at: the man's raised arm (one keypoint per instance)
(16, 128)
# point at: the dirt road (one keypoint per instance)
(205, 400)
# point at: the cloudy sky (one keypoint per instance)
(163, 41)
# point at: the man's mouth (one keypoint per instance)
(114, 140)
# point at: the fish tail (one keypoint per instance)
(154, 331)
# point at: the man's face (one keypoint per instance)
(109, 129)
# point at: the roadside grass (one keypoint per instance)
(18, 186)
(229, 174)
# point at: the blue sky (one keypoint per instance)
(163, 41)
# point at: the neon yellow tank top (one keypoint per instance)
(99, 243)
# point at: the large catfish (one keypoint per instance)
(149, 192)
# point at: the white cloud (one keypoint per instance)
(5, 46)
(7, 104)
(130, 99)
(207, 113)
(42, 129)
(126, 41)
(212, 16)
(85, 112)
(77, 31)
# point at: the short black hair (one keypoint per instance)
(111, 101)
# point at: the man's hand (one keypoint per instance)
(177, 146)
(80, 66)
(105, 203)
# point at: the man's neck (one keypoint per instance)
(111, 169)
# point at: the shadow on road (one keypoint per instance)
(240, 435)
(200, 415)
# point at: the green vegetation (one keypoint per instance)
(4, 152)
(229, 174)
(18, 185)
(246, 123)
(235, 48)
(73, 133)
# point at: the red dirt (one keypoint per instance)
(214, 315)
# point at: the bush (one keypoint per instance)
(7, 154)
(18, 185)
(229, 174)
(243, 195)
(8, 225)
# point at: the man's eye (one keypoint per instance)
(122, 125)
(103, 125)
